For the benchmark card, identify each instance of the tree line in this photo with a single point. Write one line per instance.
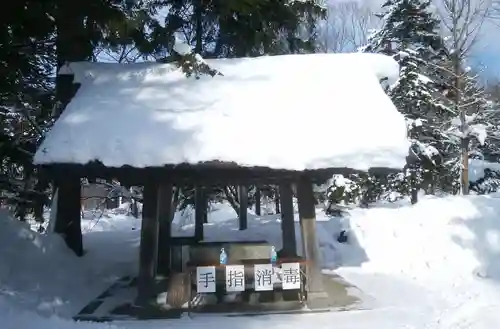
(451, 114)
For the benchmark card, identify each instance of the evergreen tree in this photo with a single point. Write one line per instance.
(26, 98)
(37, 37)
(406, 23)
(239, 28)
(410, 34)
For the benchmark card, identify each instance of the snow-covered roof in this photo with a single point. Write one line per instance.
(291, 112)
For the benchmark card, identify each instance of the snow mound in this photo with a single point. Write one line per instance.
(461, 234)
(13, 317)
(39, 273)
(123, 114)
(441, 255)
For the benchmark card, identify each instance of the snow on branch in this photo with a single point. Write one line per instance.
(192, 63)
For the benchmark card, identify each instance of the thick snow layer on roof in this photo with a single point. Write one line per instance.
(285, 112)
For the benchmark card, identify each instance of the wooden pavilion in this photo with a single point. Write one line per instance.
(178, 108)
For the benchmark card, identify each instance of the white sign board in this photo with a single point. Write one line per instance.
(290, 276)
(263, 277)
(205, 279)
(235, 278)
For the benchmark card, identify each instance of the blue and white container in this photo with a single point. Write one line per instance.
(223, 257)
(274, 255)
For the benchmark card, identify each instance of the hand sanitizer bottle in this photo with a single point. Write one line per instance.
(274, 255)
(223, 257)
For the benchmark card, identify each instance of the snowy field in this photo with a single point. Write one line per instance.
(432, 265)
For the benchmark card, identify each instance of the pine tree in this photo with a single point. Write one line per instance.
(410, 34)
(241, 28)
(27, 59)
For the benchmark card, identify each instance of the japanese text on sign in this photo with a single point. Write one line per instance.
(263, 277)
(205, 279)
(235, 278)
(290, 276)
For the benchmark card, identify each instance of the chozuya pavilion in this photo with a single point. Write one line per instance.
(291, 120)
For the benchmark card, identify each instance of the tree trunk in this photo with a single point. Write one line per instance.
(72, 40)
(464, 145)
(258, 210)
(465, 165)
(72, 45)
(134, 208)
(199, 27)
(148, 250)
(413, 185)
(277, 201)
(68, 216)
(232, 199)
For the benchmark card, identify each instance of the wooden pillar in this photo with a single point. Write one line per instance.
(68, 215)
(258, 210)
(199, 212)
(243, 215)
(148, 254)
(287, 220)
(316, 296)
(205, 201)
(164, 211)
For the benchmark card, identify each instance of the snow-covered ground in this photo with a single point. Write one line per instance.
(432, 265)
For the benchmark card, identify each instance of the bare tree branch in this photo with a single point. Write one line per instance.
(346, 27)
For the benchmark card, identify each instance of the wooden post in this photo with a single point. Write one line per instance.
(205, 201)
(243, 215)
(287, 221)
(164, 211)
(258, 211)
(148, 254)
(316, 296)
(68, 215)
(199, 212)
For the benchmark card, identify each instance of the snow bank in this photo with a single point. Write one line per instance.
(39, 273)
(431, 237)
(441, 255)
(13, 317)
(150, 114)
(477, 167)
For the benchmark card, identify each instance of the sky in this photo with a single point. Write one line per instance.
(486, 54)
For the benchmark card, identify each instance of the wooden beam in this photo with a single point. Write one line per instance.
(287, 221)
(68, 213)
(316, 295)
(164, 213)
(199, 212)
(148, 253)
(243, 198)
(183, 174)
